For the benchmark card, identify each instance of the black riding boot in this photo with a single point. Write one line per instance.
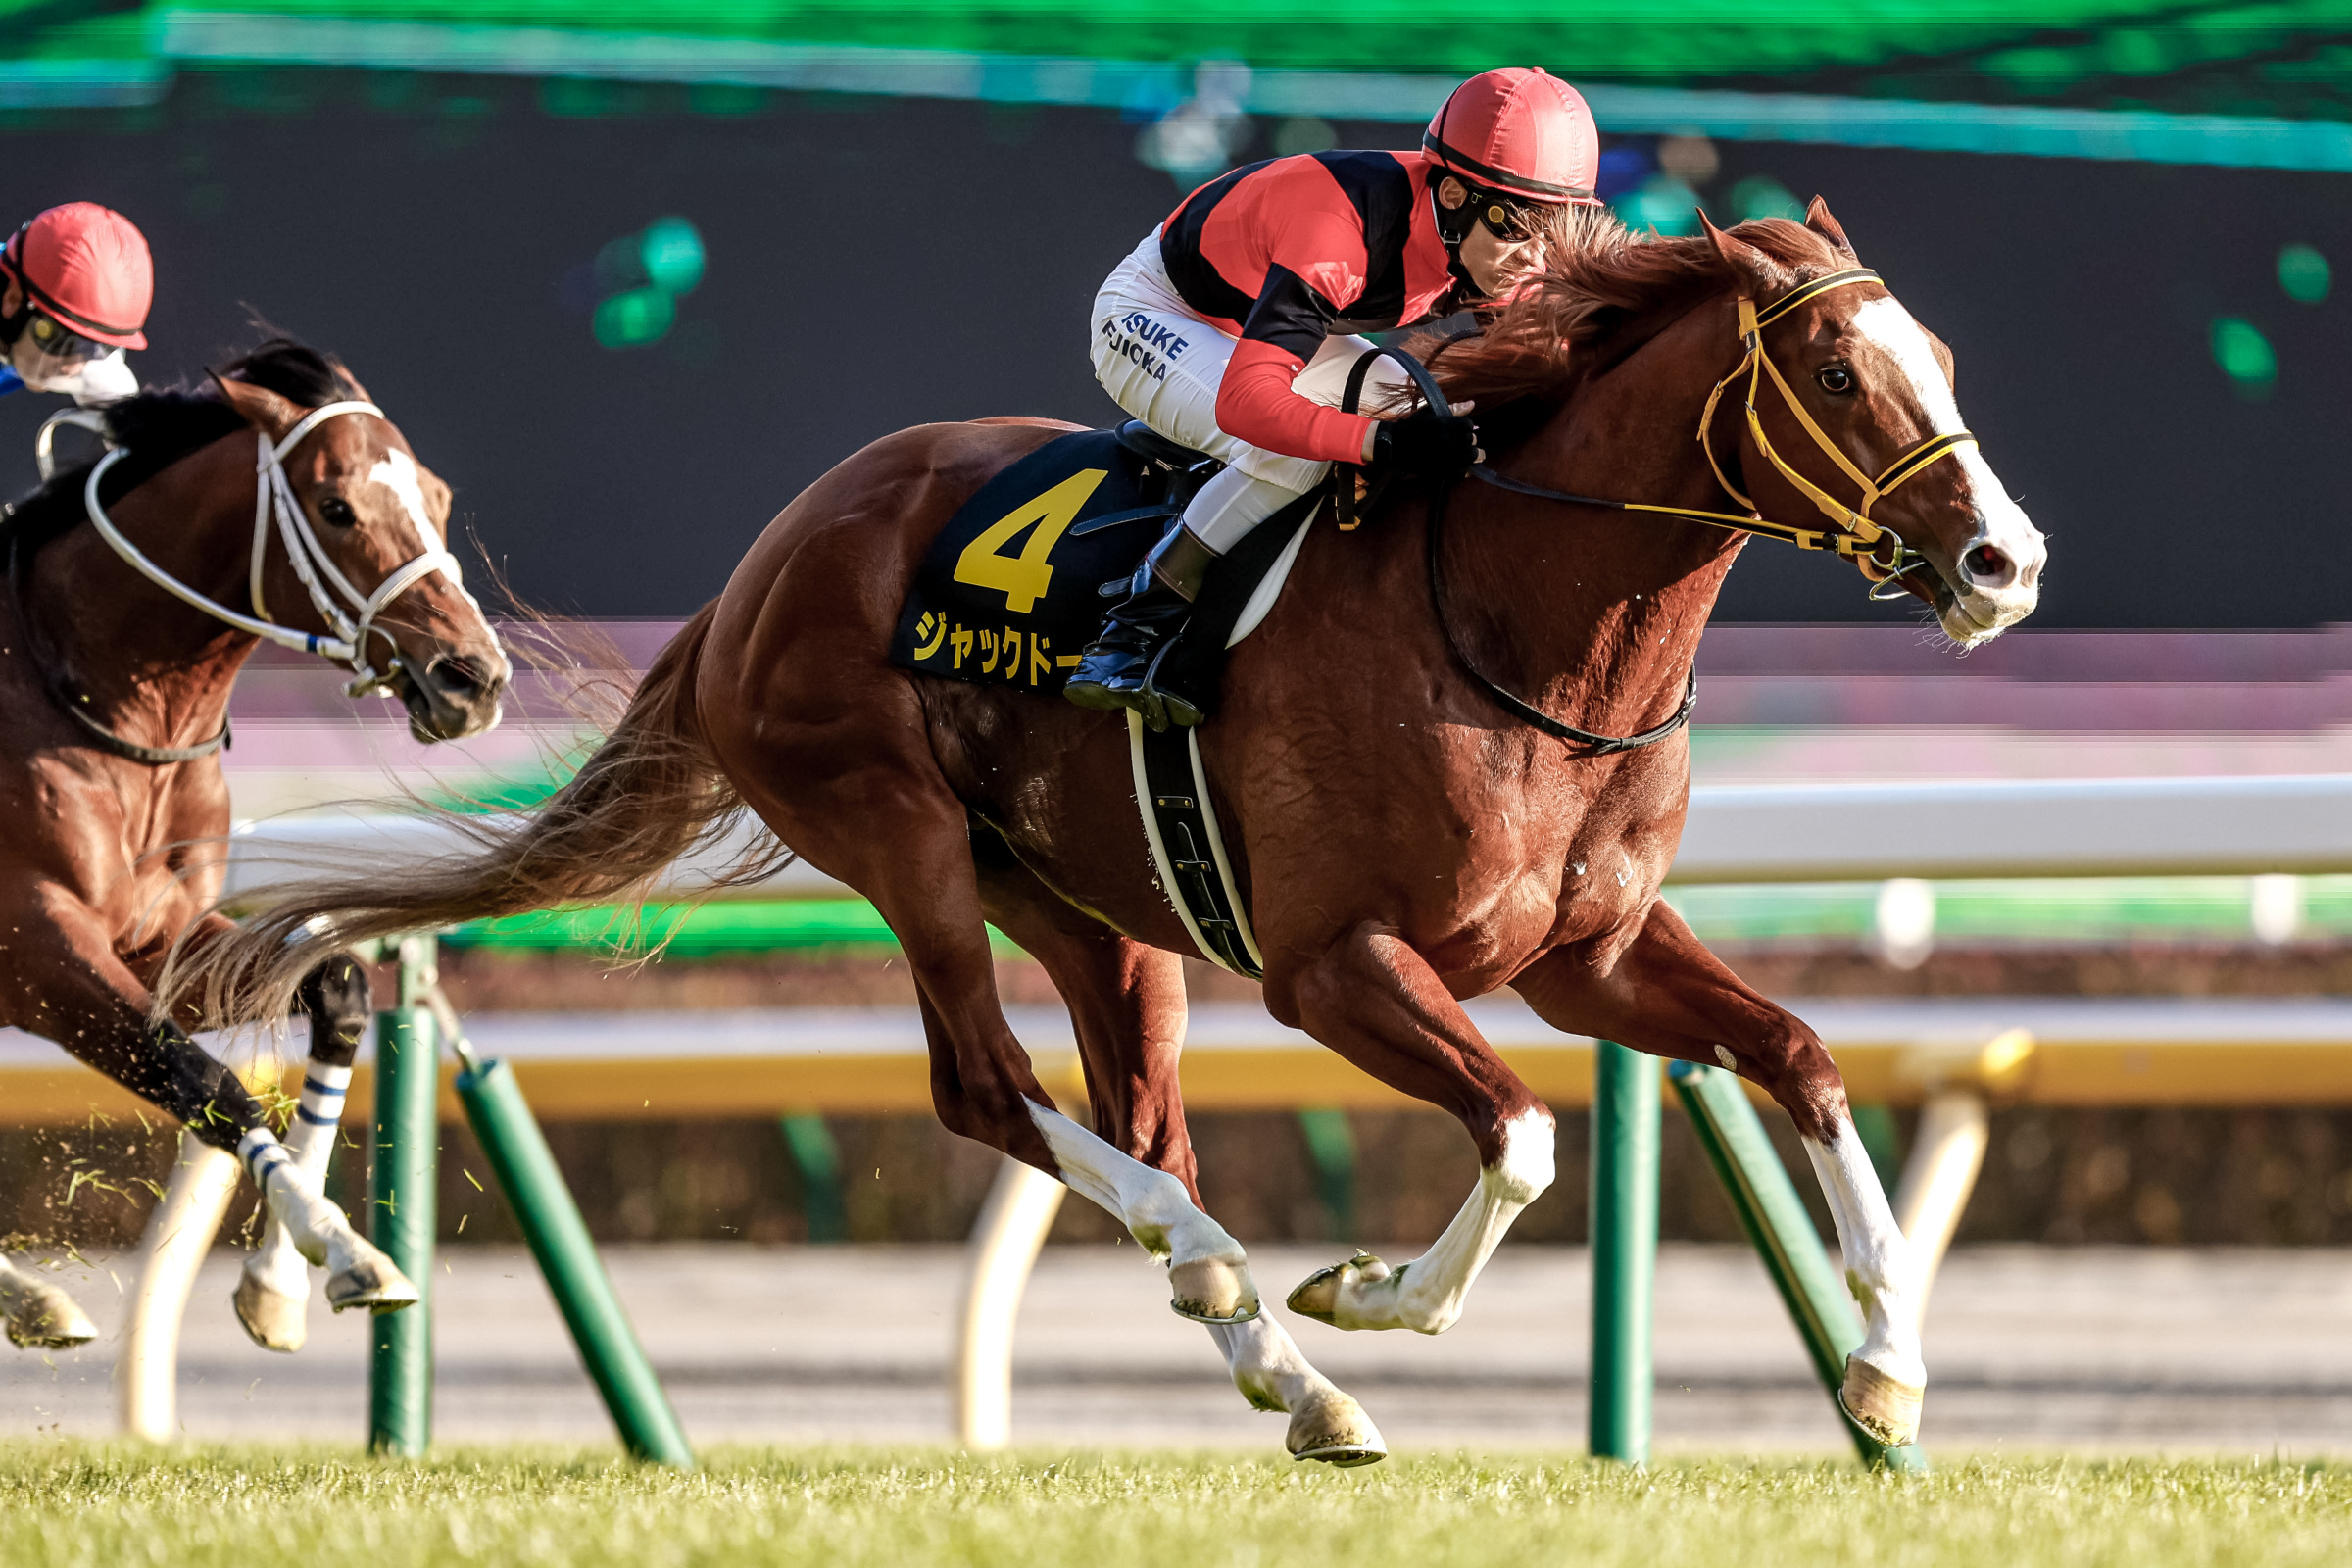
(1159, 601)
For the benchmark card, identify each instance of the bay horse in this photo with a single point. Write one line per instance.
(1402, 839)
(139, 585)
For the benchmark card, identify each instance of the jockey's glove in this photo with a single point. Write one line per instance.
(1440, 445)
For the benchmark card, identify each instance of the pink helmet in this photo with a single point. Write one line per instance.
(1521, 131)
(87, 267)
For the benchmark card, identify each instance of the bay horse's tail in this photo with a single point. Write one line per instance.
(649, 794)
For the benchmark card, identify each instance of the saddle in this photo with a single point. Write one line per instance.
(1018, 581)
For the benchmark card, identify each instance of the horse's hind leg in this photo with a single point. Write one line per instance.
(40, 1315)
(274, 1286)
(1127, 1005)
(1669, 995)
(1373, 999)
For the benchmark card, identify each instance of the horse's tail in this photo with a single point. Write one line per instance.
(649, 794)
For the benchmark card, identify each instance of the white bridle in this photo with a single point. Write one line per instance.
(318, 572)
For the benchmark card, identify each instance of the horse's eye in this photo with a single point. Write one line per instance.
(336, 512)
(1837, 381)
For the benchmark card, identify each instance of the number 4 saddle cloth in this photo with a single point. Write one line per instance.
(1018, 581)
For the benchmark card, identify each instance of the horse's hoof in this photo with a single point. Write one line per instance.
(270, 1318)
(1318, 1294)
(1334, 1430)
(42, 1317)
(370, 1280)
(1879, 1405)
(1212, 1290)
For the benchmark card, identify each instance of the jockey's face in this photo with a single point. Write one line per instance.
(37, 367)
(1493, 262)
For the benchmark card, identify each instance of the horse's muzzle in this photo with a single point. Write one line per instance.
(457, 696)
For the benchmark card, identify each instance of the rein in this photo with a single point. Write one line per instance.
(1525, 712)
(106, 740)
(317, 572)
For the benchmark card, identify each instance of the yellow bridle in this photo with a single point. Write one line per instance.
(1857, 537)
(1872, 547)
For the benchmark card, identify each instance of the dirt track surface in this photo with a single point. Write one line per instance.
(2029, 1348)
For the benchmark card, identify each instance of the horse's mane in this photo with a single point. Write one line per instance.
(1600, 277)
(161, 425)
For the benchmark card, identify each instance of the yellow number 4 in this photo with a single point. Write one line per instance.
(1022, 579)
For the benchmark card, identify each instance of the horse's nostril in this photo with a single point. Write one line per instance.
(1987, 564)
(455, 676)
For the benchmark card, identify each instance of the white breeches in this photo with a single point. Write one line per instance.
(1162, 364)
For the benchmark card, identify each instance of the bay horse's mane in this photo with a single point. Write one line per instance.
(161, 425)
(1601, 278)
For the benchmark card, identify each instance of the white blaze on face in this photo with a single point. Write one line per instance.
(2007, 595)
(396, 471)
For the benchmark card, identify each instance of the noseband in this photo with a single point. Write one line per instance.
(273, 495)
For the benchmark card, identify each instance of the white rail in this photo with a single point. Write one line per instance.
(1747, 833)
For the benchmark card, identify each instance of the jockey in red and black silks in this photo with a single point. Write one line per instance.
(75, 286)
(1233, 327)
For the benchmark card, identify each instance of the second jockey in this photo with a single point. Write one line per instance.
(76, 284)
(1231, 330)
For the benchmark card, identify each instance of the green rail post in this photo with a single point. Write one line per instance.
(1331, 1147)
(402, 1209)
(1775, 1219)
(1625, 1248)
(817, 1157)
(551, 1222)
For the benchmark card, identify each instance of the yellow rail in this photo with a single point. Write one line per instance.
(2218, 1072)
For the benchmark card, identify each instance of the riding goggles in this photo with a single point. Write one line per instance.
(1514, 222)
(61, 342)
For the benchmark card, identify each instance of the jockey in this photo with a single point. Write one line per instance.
(78, 281)
(1230, 329)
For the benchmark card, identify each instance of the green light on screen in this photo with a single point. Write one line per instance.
(2304, 274)
(634, 320)
(672, 252)
(2244, 355)
(1762, 196)
(1663, 203)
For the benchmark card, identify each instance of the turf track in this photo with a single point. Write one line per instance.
(252, 1507)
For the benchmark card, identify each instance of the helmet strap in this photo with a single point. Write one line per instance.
(1454, 226)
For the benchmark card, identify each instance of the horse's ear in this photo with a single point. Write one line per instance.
(344, 370)
(263, 410)
(1757, 274)
(1819, 220)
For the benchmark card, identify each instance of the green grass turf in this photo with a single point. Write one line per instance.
(114, 1507)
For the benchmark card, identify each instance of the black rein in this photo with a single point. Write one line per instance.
(1343, 486)
(106, 740)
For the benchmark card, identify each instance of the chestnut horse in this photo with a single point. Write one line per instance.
(139, 586)
(1401, 839)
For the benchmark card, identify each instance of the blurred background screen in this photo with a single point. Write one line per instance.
(631, 276)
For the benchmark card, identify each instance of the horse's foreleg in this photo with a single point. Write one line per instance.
(1127, 1006)
(1371, 997)
(66, 981)
(1667, 994)
(274, 1286)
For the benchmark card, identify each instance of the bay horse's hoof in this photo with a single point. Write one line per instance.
(1212, 1290)
(368, 1279)
(1334, 1429)
(1879, 1405)
(42, 1317)
(1318, 1294)
(270, 1318)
